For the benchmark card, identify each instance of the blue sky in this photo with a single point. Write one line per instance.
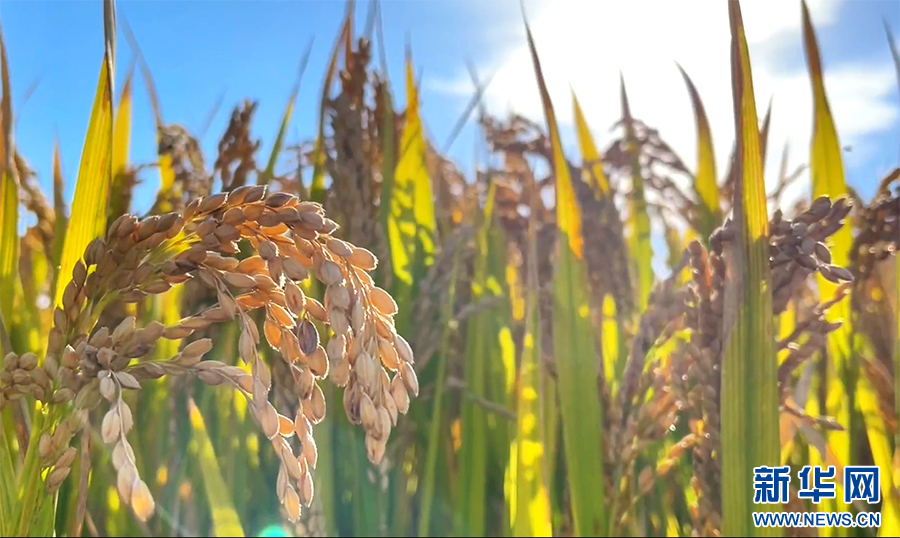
(197, 50)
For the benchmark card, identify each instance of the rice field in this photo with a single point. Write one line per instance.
(350, 336)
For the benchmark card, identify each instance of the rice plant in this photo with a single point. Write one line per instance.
(507, 359)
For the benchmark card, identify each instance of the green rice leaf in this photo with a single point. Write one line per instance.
(573, 340)
(749, 373)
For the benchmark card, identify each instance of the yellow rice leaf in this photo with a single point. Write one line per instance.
(574, 348)
(880, 442)
(412, 161)
(750, 431)
(592, 167)
(827, 173)
(122, 129)
(88, 218)
(530, 504)
(9, 198)
(121, 146)
(411, 223)
(705, 185)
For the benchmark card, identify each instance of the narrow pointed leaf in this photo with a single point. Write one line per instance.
(9, 197)
(705, 185)
(59, 209)
(411, 223)
(89, 207)
(484, 356)
(896, 55)
(573, 340)
(591, 164)
(122, 183)
(846, 387)
(530, 511)
(749, 373)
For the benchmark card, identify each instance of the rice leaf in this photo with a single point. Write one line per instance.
(60, 210)
(896, 56)
(30, 327)
(827, 176)
(9, 196)
(764, 134)
(846, 388)
(592, 166)
(879, 438)
(7, 483)
(411, 223)
(705, 185)
(473, 455)
(269, 172)
(501, 370)
(9, 242)
(576, 356)
(225, 521)
(593, 174)
(749, 374)
(412, 160)
(89, 207)
(530, 509)
(638, 220)
(123, 182)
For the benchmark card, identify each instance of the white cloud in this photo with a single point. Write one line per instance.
(587, 44)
